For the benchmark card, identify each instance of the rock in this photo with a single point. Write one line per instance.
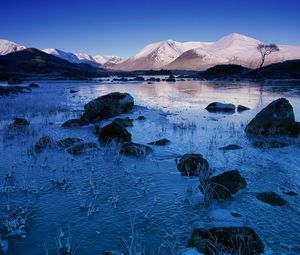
(19, 123)
(236, 215)
(220, 107)
(230, 147)
(6, 91)
(294, 129)
(107, 106)
(271, 198)
(125, 122)
(115, 132)
(73, 123)
(232, 240)
(192, 164)
(290, 193)
(241, 108)
(43, 143)
(141, 118)
(160, 142)
(135, 149)
(171, 78)
(33, 85)
(67, 142)
(269, 144)
(224, 185)
(275, 119)
(72, 91)
(80, 148)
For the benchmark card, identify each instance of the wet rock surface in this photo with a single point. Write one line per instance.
(192, 164)
(135, 149)
(271, 198)
(114, 131)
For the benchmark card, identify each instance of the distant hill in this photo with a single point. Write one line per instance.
(31, 61)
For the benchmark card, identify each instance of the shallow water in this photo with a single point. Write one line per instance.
(146, 192)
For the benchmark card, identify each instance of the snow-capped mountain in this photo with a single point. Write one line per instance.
(231, 49)
(85, 58)
(158, 54)
(9, 46)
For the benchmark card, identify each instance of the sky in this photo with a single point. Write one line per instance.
(114, 27)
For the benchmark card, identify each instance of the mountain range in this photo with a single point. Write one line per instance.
(172, 55)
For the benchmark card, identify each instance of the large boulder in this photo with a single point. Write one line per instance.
(220, 107)
(192, 165)
(114, 131)
(224, 185)
(275, 119)
(229, 240)
(271, 198)
(135, 149)
(107, 106)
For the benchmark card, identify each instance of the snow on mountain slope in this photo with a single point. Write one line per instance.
(156, 55)
(9, 46)
(80, 58)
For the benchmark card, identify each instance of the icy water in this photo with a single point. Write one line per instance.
(146, 193)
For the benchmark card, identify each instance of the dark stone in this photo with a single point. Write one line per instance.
(290, 193)
(192, 164)
(135, 149)
(125, 122)
(80, 148)
(115, 132)
(160, 142)
(107, 106)
(271, 198)
(241, 108)
(141, 118)
(171, 78)
(220, 107)
(19, 123)
(67, 142)
(33, 85)
(275, 119)
(230, 147)
(43, 143)
(73, 123)
(294, 129)
(236, 215)
(72, 91)
(224, 185)
(232, 240)
(96, 130)
(269, 144)
(6, 91)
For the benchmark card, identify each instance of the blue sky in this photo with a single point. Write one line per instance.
(123, 27)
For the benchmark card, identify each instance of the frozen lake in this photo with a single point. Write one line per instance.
(147, 192)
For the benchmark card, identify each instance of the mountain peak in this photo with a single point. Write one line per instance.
(7, 46)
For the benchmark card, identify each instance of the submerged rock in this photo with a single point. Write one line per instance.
(192, 164)
(73, 123)
(236, 215)
(43, 143)
(230, 147)
(233, 240)
(72, 91)
(290, 193)
(125, 122)
(114, 131)
(135, 149)
(80, 148)
(220, 107)
(224, 185)
(269, 144)
(271, 198)
(67, 142)
(33, 85)
(18, 123)
(241, 108)
(160, 142)
(275, 119)
(6, 91)
(107, 106)
(141, 118)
